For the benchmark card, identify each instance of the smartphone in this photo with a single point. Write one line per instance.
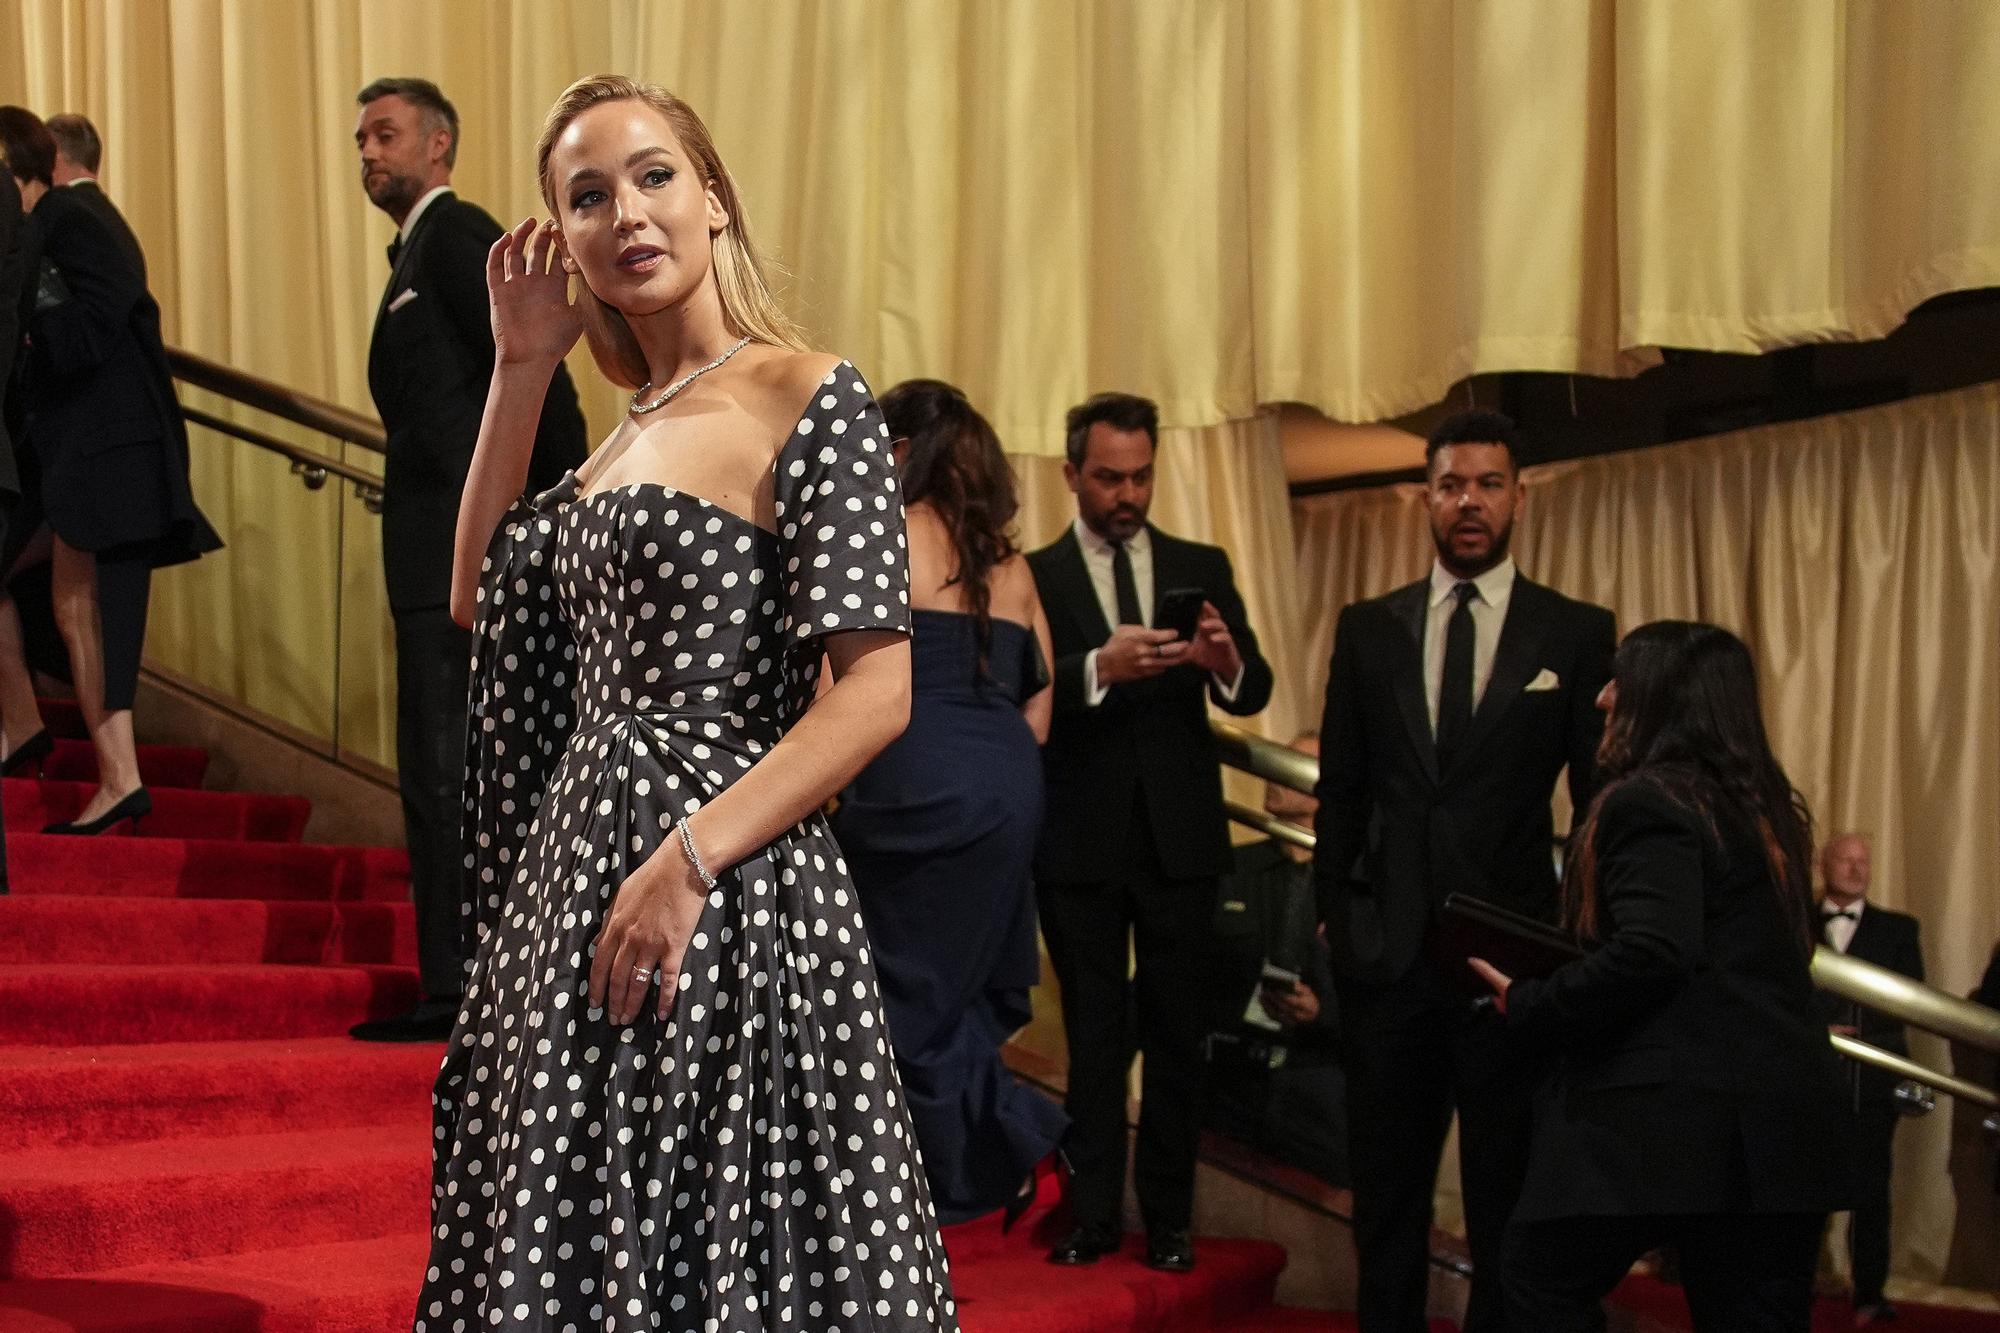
(1180, 611)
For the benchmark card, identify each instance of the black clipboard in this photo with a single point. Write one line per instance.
(1520, 946)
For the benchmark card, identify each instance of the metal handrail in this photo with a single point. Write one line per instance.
(1877, 988)
(280, 401)
(310, 466)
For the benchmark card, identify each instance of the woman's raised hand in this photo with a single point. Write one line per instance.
(533, 319)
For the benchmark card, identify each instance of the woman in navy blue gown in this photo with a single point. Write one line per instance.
(939, 831)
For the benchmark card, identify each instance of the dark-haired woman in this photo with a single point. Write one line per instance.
(939, 831)
(1694, 1100)
(105, 494)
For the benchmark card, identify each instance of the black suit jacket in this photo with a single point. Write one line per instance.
(1396, 834)
(98, 400)
(93, 197)
(1147, 741)
(13, 272)
(1692, 1072)
(429, 366)
(1886, 939)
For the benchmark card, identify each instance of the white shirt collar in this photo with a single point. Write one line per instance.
(417, 210)
(1141, 541)
(1495, 586)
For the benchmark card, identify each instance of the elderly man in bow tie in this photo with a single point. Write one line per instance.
(1852, 925)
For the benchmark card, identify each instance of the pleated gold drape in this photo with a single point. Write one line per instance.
(1859, 556)
(1348, 203)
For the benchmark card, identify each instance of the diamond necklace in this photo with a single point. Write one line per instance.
(667, 394)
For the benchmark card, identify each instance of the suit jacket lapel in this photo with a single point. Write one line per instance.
(403, 258)
(1166, 572)
(1514, 659)
(1079, 593)
(1408, 605)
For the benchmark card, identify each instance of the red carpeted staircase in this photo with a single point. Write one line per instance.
(190, 1144)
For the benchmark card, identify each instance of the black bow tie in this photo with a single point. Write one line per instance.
(1851, 914)
(395, 248)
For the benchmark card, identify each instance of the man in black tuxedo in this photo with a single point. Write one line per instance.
(1134, 836)
(79, 155)
(428, 368)
(1452, 705)
(1852, 925)
(13, 278)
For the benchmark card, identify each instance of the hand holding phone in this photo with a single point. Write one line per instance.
(1180, 611)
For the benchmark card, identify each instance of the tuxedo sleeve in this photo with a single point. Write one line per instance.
(1341, 822)
(457, 269)
(1649, 896)
(104, 289)
(1586, 720)
(1253, 688)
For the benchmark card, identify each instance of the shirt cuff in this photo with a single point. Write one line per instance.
(1093, 693)
(1229, 690)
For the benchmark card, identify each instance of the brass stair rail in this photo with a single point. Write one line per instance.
(280, 401)
(1878, 988)
(301, 409)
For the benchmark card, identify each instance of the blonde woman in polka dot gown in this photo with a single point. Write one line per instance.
(669, 1102)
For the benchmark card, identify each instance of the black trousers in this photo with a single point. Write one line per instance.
(1415, 1050)
(1868, 1225)
(433, 677)
(1162, 922)
(1742, 1273)
(124, 595)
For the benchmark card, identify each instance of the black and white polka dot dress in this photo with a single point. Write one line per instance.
(748, 1164)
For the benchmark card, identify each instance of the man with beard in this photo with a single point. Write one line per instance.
(428, 368)
(1451, 707)
(1134, 835)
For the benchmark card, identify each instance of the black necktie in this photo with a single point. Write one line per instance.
(1126, 585)
(1455, 686)
(395, 249)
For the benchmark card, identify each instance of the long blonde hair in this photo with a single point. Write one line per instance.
(749, 309)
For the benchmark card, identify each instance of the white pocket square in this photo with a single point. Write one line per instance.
(402, 300)
(1547, 680)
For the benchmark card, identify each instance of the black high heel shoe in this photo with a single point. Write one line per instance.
(134, 807)
(34, 750)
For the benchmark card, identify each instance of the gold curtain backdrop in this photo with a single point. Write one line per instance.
(1346, 203)
(1857, 555)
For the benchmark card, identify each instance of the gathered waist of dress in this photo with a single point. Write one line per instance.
(710, 724)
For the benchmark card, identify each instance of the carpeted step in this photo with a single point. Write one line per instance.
(78, 1210)
(1662, 1304)
(94, 1096)
(45, 928)
(159, 765)
(1016, 1290)
(1285, 1319)
(63, 719)
(370, 1286)
(84, 1005)
(361, 1286)
(247, 816)
(204, 868)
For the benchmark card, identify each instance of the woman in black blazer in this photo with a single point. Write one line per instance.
(1692, 1098)
(105, 495)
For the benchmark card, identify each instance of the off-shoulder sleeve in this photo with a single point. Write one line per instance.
(845, 562)
(522, 707)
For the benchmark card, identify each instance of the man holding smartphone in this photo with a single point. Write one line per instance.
(1147, 630)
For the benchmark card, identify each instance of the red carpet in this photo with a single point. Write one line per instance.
(190, 1144)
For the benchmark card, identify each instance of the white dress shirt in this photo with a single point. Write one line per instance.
(1097, 556)
(417, 210)
(1489, 613)
(1839, 931)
